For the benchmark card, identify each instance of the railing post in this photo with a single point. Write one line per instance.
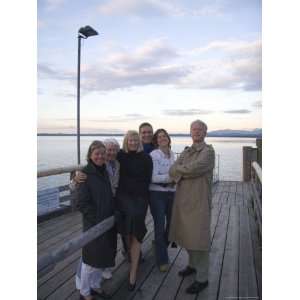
(249, 155)
(259, 151)
(73, 194)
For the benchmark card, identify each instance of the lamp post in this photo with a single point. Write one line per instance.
(83, 33)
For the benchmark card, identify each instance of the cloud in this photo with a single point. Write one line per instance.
(237, 111)
(234, 47)
(47, 71)
(138, 7)
(109, 119)
(238, 66)
(156, 63)
(257, 104)
(41, 24)
(186, 112)
(120, 119)
(66, 94)
(54, 4)
(153, 8)
(153, 52)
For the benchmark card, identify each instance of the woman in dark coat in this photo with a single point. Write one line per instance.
(95, 202)
(132, 197)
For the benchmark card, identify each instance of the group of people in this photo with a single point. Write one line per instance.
(124, 182)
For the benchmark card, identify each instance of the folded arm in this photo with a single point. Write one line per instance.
(197, 168)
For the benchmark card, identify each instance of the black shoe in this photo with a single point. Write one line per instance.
(187, 271)
(196, 287)
(82, 298)
(141, 260)
(173, 245)
(101, 294)
(131, 286)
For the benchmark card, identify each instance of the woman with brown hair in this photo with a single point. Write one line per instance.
(162, 191)
(95, 202)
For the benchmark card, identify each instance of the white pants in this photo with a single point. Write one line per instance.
(87, 278)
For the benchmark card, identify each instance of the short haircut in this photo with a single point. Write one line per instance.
(93, 146)
(144, 125)
(200, 123)
(131, 133)
(155, 135)
(112, 141)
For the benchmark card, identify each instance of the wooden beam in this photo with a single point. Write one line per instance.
(58, 171)
(48, 261)
(256, 167)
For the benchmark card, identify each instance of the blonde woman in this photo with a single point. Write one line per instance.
(132, 197)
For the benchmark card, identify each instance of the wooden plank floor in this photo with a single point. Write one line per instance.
(235, 256)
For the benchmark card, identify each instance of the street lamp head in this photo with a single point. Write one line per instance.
(87, 31)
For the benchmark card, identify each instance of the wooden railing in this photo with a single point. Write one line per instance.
(58, 171)
(66, 198)
(48, 261)
(256, 184)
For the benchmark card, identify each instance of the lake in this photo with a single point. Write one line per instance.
(60, 151)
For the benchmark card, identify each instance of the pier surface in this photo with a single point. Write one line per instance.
(235, 256)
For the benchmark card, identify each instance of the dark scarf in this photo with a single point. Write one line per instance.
(99, 169)
(148, 148)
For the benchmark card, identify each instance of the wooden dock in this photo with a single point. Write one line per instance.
(235, 256)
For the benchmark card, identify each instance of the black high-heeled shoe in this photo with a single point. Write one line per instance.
(131, 286)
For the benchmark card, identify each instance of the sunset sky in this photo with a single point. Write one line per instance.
(165, 62)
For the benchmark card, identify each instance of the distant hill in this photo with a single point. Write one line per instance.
(216, 133)
(235, 133)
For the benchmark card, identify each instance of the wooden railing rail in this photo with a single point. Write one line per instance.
(256, 183)
(257, 171)
(47, 262)
(58, 171)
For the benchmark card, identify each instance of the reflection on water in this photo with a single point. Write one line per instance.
(59, 151)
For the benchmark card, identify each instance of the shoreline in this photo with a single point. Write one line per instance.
(232, 135)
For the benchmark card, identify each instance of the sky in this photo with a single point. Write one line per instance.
(164, 62)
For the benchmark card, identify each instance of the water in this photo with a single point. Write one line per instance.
(60, 151)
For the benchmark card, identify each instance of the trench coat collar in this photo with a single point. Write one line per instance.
(198, 146)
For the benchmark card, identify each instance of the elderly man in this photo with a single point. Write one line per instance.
(190, 223)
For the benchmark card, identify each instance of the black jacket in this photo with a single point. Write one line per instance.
(95, 202)
(135, 173)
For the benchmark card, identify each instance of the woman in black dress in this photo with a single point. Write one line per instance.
(132, 197)
(95, 202)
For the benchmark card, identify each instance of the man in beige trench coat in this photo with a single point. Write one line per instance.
(190, 222)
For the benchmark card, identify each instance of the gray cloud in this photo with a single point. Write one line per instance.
(66, 95)
(237, 111)
(119, 119)
(154, 8)
(186, 112)
(54, 4)
(47, 71)
(109, 119)
(238, 68)
(257, 104)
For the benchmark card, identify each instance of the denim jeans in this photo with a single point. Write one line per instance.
(161, 210)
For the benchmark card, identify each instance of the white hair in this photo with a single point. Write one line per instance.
(111, 141)
(201, 123)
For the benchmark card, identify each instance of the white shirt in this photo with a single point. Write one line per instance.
(160, 173)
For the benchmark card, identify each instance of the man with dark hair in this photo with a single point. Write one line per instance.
(146, 135)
